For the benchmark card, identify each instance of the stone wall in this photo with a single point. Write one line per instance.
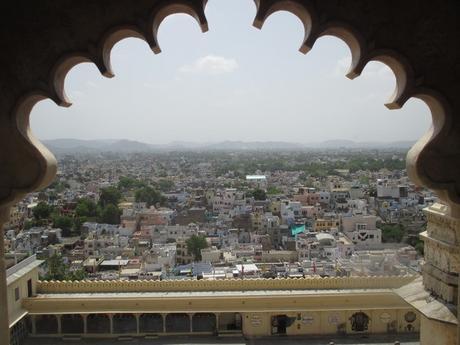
(442, 253)
(311, 283)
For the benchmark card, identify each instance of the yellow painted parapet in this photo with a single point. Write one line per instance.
(308, 283)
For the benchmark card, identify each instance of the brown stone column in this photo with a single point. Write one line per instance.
(442, 263)
(4, 322)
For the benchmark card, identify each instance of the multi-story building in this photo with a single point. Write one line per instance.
(183, 257)
(362, 229)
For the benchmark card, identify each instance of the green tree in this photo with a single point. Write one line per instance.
(77, 224)
(273, 190)
(58, 186)
(165, 184)
(86, 208)
(77, 275)
(28, 224)
(195, 244)
(127, 183)
(392, 232)
(58, 270)
(42, 211)
(109, 195)
(259, 194)
(110, 215)
(65, 223)
(149, 196)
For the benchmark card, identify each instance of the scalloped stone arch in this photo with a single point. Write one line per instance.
(399, 34)
(362, 51)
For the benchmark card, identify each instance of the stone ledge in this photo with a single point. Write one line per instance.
(313, 283)
(419, 298)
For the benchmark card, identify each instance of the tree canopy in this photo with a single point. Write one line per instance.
(259, 194)
(195, 244)
(58, 270)
(392, 232)
(149, 195)
(110, 215)
(127, 183)
(109, 195)
(65, 223)
(86, 208)
(165, 184)
(42, 211)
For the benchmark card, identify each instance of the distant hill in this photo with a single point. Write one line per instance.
(253, 145)
(94, 146)
(69, 146)
(334, 144)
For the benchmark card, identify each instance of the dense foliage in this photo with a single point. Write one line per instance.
(58, 270)
(258, 194)
(392, 232)
(109, 195)
(110, 215)
(195, 244)
(150, 196)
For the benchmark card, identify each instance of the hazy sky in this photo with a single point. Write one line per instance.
(234, 82)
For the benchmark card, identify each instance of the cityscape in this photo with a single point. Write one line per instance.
(250, 185)
(223, 214)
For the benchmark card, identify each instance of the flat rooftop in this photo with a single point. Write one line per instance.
(188, 294)
(22, 268)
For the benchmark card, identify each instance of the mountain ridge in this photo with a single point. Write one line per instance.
(70, 145)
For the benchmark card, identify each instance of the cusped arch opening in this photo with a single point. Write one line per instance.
(360, 56)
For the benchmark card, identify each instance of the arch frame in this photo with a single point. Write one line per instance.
(399, 34)
(431, 150)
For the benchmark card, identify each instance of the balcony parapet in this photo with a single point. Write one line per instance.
(312, 283)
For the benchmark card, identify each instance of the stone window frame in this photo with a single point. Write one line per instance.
(317, 22)
(26, 165)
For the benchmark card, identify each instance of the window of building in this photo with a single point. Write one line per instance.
(359, 322)
(29, 288)
(16, 294)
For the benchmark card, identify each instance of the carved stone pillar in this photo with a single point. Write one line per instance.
(442, 265)
(442, 253)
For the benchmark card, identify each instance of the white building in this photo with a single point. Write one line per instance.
(211, 255)
(362, 230)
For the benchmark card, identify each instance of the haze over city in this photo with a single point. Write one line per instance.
(232, 83)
